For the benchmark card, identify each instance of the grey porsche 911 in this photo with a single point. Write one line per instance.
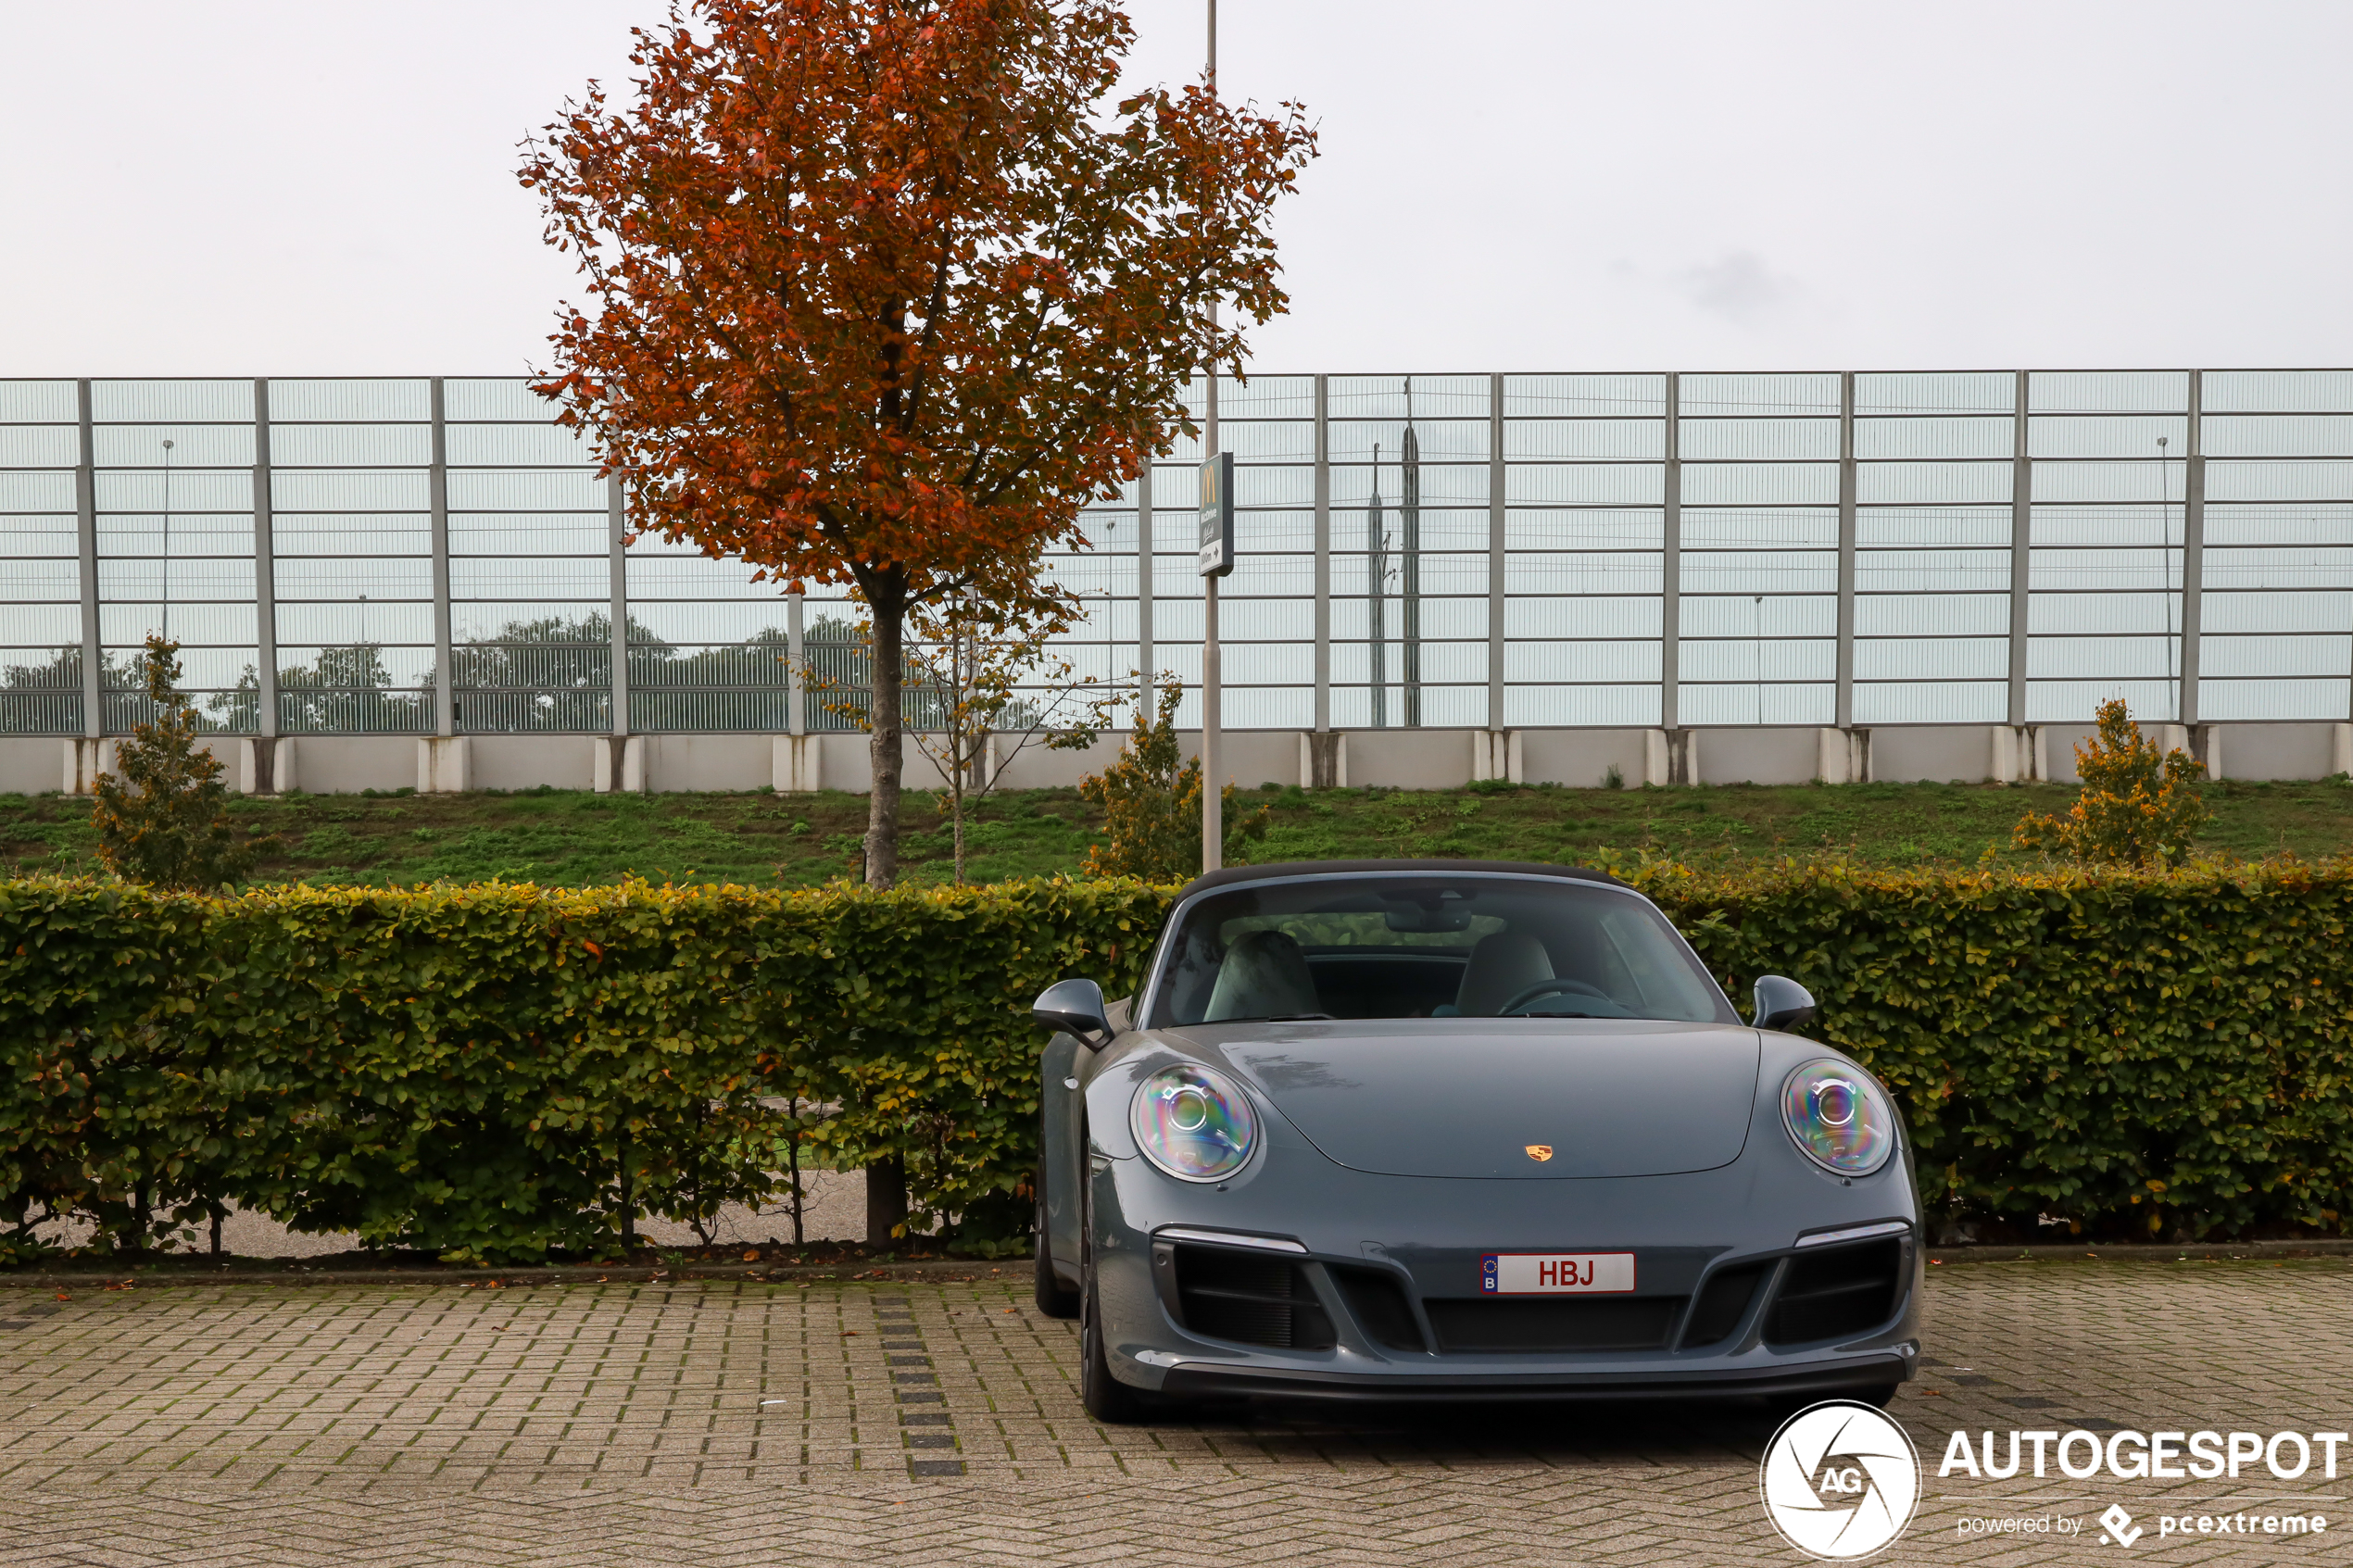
(1462, 1130)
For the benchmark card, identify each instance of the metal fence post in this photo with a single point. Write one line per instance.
(1323, 554)
(796, 654)
(1843, 702)
(616, 520)
(1671, 569)
(2021, 553)
(443, 683)
(265, 579)
(1495, 552)
(85, 529)
(2193, 549)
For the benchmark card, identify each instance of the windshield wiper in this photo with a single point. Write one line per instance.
(1283, 1018)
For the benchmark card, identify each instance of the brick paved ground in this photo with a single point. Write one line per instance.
(767, 1424)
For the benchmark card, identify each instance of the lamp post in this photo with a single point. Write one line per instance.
(1212, 826)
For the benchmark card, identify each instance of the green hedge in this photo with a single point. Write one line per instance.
(2134, 1052)
(497, 1072)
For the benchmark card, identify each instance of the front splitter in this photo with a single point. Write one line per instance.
(1198, 1380)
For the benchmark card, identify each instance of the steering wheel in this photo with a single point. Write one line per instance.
(1528, 994)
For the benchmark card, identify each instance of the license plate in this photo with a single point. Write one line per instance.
(1556, 1274)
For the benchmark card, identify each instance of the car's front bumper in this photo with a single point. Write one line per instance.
(1687, 1232)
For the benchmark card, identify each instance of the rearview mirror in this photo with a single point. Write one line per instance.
(1781, 1003)
(1075, 1007)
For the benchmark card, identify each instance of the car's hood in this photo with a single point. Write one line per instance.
(1608, 1098)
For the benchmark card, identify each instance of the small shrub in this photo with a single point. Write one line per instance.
(163, 818)
(1613, 779)
(1151, 806)
(2137, 805)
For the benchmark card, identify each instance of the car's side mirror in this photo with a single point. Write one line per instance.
(1075, 1007)
(1781, 1003)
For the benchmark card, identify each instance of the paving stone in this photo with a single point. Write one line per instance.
(552, 1426)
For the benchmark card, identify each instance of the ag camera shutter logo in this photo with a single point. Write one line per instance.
(1840, 1481)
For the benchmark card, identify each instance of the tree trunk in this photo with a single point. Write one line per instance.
(956, 788)
(888, 602)
(792, 1157)
(628, 1206)
(959, 742)
(885, 1200)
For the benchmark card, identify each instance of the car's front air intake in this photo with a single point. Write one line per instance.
(1723, 1303)
(1835, 1292)
(1379, 1303)
(1250, 1297)
(1484, 1324)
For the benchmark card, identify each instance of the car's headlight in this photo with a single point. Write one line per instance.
(1839, 1117)
(1193, 1123)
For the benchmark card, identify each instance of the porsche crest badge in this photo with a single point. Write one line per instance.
(1540, 1152)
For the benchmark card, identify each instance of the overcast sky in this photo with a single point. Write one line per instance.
(289, 186)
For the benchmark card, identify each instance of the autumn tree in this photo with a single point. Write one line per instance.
(881, 292)
(162, 814)
(2137, 804)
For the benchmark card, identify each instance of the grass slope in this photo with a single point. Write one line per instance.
(573, 838)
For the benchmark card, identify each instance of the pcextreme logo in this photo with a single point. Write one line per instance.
(1840, 1480)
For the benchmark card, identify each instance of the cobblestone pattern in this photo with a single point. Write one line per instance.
(771, 1423)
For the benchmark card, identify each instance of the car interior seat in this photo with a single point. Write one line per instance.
(1263, 975)
(1500, 967)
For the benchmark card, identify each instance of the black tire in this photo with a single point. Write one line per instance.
(1878, 1396)
(1054, 1299)
(1107, 1400)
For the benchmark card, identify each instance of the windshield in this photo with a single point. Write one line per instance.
(1429, 946)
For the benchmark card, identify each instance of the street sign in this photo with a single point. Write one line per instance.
(1218, 515)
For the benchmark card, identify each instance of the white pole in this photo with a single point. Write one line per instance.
(1213, 825)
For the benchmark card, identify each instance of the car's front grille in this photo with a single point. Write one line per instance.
(1250, 1297)
(1838, 1291)
(1590, 1323)
(1723, 1301)
(1380, 1306)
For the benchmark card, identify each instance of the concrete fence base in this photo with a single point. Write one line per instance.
(1389, 759)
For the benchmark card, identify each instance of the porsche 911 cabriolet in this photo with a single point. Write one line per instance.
(1462, 1130)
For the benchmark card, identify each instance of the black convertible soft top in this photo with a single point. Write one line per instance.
(1230, 875)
